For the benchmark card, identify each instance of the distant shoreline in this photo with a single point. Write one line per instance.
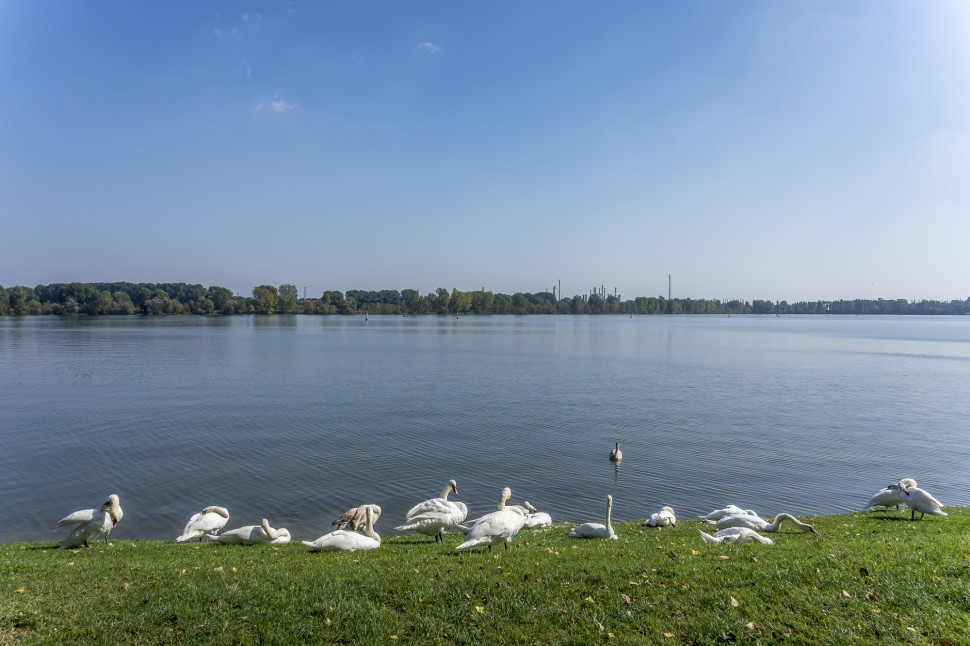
(160, 299)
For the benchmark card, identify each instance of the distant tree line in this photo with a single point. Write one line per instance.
(158, 299)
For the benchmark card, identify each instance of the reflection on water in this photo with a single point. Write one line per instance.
(299, 418)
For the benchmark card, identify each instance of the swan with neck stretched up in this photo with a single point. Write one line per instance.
(597, 530)
(730, 510)
(88, 524)
(920, 500)
(343, 540)
(736, 535)
(261, 534)
(356, 517)
(663, 518)
(760, 524)
(205, 524)
(432, 517)
(616, 454)
(892, 495)
(497, 527)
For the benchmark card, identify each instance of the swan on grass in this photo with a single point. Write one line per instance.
(736, 535)
(762, 525)
(88, 524)
(920, 500)
(356, 517)
(616, 454)
(535, 519)
(343, 540)
(205, 524)
(663, 518)
(730, 510)
(255, 535)
(497, 527)
(892, 495)
(597, 530)
(432, 517)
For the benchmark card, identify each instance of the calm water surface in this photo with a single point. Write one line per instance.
(298, 418)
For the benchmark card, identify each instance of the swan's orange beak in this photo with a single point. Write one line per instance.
(454, 489)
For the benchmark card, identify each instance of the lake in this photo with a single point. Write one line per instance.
(298, 418)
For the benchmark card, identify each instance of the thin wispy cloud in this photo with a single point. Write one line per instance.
(429, 47)
(276, 105)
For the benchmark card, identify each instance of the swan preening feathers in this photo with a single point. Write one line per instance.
(343, 540)
(255, 534)
(905, 492)
(355, 517)
(205, 524)
(88, 524)
(920, 500)
(663, 518)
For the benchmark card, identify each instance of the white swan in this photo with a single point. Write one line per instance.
(736, 535)
(355, 517)
(616, 454)
(255, 534)
(206, 523)
(497, 527)
(596, 530)
(535, 519)
(762, 525)
(432, 517)
(89, 523)
(920, 500)
(663, 518)
(892, 495)
(730, 510)
(342, 540)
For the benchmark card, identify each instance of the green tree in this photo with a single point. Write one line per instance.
(265, 297)
(288, 299)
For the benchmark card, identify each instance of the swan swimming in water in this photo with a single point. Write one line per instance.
(205, 524)
(255, 534)
(89, 523)
(920, 500)
(497, 527)
(355, 517)
(730, 510)
(597, 530)
(432, 517)
(663, 518)
(616, 454)
(762, 525)
(736, 535)
(344, 540)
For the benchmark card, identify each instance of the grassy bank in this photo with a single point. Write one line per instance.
(865, 578)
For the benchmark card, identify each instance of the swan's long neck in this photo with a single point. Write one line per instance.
(270, 533)
(369, 525)
(504, 498)
(609, 512)
(445, 492)
(773, 527)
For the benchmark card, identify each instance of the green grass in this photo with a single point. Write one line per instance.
(866, 578)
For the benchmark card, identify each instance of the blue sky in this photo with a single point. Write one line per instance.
(753, 150)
